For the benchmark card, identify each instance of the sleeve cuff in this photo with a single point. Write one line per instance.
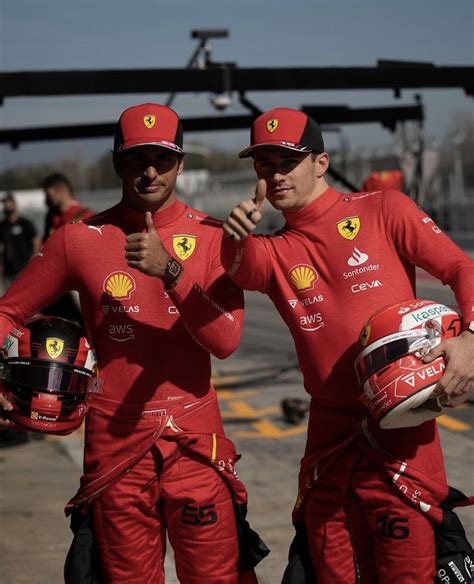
(183, 287)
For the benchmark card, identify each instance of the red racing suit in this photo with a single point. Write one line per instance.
(333, 264)
(66, 306)
(141, 475)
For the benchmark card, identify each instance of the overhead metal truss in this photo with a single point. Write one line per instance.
(387, 116)
(223, 77)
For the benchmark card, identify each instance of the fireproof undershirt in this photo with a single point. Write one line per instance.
(152, 344)
(334, 263)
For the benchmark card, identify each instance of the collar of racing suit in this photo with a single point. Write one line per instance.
(161, 218)
(296, 218)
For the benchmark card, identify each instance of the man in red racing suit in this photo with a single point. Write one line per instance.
(156, 304)
(339, 258)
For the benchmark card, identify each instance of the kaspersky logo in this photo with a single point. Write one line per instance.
(119, 285)
(302, 277)
(357, 258)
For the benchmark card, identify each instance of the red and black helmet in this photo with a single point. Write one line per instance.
(49, 370)
(397, 385)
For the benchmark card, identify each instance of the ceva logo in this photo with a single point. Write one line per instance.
(365, 286)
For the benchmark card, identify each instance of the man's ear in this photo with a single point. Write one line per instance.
(322, 164)
(117, 163)
(180, 163)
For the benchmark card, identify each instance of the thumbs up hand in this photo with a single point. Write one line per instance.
(245, 217)
(145, 251)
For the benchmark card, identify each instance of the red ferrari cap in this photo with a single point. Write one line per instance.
(287, 128)
(149, 123)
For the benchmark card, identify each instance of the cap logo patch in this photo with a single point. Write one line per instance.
(348, 228)
(184, 246)
(149, 121)
(272, 125)
(119, 285)
(54, 347)
(302, 277)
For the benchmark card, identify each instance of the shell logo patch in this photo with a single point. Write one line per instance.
(365, 335)
(54, 347)
(348, 228)
(184, 246)
(149, 121)
(272, 125)
(119, 285)
(303, 277)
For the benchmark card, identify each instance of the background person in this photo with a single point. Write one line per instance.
(155, 307)
(339, 258)
(63, 208)
(19, 240)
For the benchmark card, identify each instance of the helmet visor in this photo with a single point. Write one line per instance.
(52, 377)
(374, 358)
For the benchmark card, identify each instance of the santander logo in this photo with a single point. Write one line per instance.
(357, 258)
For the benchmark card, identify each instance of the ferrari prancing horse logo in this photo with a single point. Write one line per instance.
(349, 227)
(272, 125)
(149, 121)
(184, 246)
(365, 335)
(54, 347)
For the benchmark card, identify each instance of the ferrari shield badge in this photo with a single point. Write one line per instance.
(54, 347)
(365, 335)
(349, 228)
(272, 125)
(184, 246)
(149, 121)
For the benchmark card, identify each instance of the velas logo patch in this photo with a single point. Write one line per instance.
(272, 125)
(149, 121)
(119, 285)
(348, 228)
(302, 277)
(54, 347)
(184, 246)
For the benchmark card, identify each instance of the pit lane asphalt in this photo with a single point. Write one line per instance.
(37, 478)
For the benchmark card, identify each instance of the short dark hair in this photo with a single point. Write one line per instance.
(56, 179)
(8, 197)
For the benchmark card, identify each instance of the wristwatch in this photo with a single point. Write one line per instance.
(172, 272)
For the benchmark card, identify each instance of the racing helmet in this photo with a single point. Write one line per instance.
(49, 370)
(397, 386)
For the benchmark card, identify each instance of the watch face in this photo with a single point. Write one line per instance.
(173, 268)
